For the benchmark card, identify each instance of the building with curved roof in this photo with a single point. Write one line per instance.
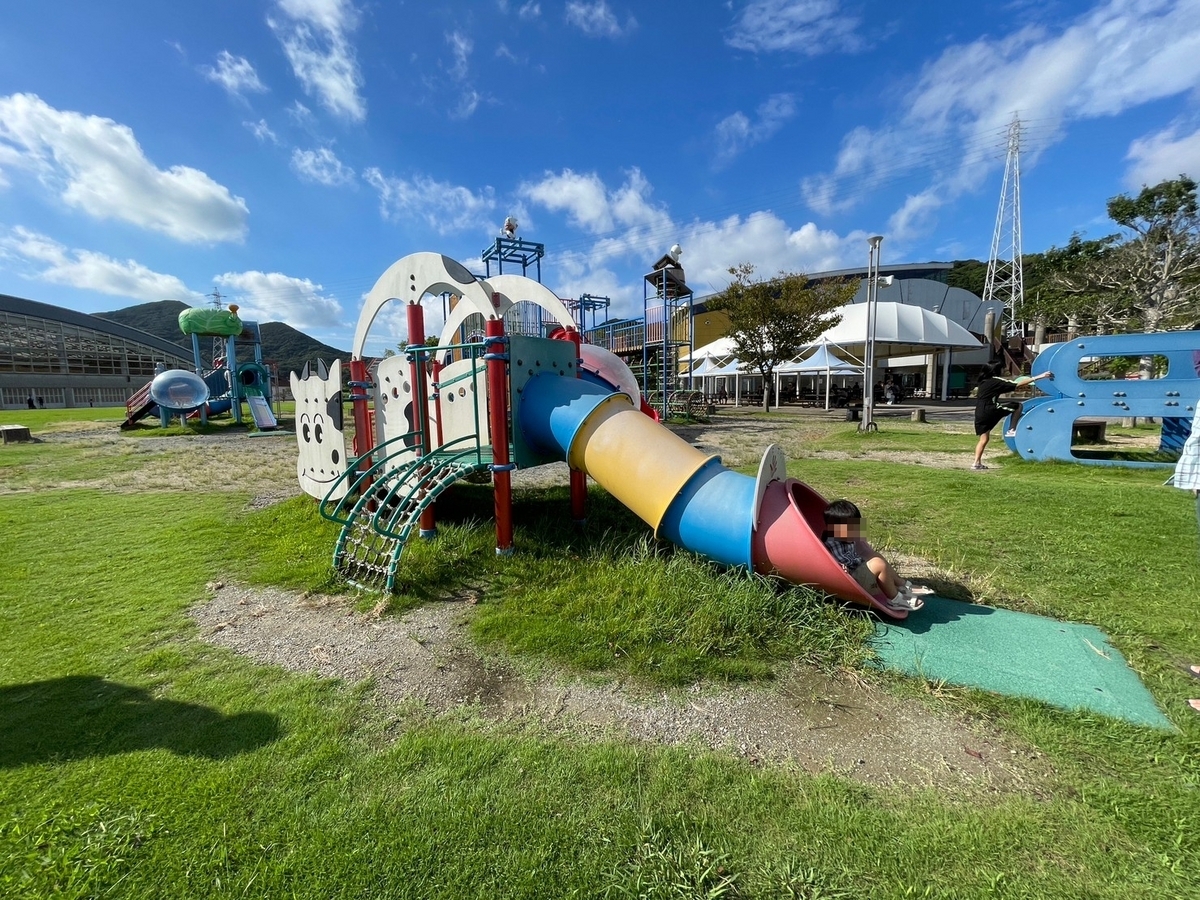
(61, 358)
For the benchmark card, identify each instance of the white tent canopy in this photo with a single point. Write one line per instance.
(721, 348)
(900, 327)
(821, 362)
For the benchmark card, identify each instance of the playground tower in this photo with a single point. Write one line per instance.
(667, 314)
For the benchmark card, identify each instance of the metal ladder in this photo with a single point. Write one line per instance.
(387, 505)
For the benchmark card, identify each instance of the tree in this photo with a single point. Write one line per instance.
(968, 274)
(1059, 289)
(1146, 278)
(773, 319)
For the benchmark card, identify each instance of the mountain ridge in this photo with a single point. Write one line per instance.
(287, 347)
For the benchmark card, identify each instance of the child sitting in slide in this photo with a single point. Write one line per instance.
(843, 527)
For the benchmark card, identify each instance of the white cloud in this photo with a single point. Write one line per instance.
(468, 102)
(765, 240)
(56, 264)
(315, 38)
(952, 123)
(442, 206)
(461, 47)
(709, 249)
(321, 166)
(811, 27)
(578, 273)
(530, 10)
(301, 114)
(275, 297)
(97, 166)
(1167, 154)
(262, 131)
(916, 216)
(630, 229)
(735, 133)
(597, 20)
(590, 205)
(234, 74)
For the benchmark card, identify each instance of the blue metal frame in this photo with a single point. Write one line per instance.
(1046, 425)
(514, 250)
(676, 298)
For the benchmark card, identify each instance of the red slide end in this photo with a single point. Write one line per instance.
(787, 543)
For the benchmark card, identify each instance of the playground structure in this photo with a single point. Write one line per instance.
(229, 382)
(1048, 424)
(434, 415)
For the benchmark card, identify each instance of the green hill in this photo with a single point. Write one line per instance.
(281, 344)
(291, 349)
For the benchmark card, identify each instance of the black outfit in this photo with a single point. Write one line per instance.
(989, 411)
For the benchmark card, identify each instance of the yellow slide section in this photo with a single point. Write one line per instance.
(635, 459)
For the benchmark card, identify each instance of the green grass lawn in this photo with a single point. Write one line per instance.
(137, 761)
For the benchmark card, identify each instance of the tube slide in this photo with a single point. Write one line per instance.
(768, 525)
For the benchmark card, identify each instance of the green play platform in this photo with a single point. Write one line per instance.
(1020, 655)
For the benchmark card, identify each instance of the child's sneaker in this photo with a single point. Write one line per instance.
(979, 467)
(1012, 432)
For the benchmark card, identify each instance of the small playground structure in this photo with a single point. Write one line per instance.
(1075, 402)
(229, 382)
(435, 415)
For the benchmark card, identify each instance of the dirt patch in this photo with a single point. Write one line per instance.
(821, 724)
(739, 439)
(232, 461)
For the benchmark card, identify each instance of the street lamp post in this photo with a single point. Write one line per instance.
(868, 412)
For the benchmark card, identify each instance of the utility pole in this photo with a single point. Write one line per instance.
(218, 344)
(1005, 278)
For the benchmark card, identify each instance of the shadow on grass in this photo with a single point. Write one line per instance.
(81, 716)
(940, 611)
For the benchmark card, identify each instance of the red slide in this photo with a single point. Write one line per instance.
(787, 542)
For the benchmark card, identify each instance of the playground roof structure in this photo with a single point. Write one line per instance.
(899, 329)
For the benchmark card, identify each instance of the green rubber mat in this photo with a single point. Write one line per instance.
(1020, 655)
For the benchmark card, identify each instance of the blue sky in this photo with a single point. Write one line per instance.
(286, 152)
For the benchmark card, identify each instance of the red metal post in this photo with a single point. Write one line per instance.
(364, 436)
(420, 395)
(495, 353)
(578, 476)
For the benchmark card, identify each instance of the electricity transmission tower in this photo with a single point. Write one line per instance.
(1005, 279)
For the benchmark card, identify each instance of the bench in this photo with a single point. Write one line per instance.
(1088, 431)
(686, 404)
(15, 434)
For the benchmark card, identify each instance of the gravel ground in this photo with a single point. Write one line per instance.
(822, 724)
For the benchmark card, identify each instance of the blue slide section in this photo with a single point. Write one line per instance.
(712, 516)
(1047, 423)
